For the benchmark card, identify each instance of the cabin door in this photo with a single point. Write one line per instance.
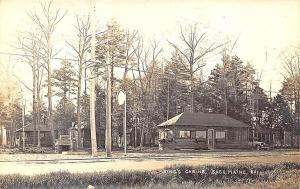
(210, 138)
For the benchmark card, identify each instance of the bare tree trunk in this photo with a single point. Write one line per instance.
(34, 84)
(111, 99)
(225, 99)
(141, 136)
(129, 41)
(30, 45)
(108, 138)
(192, 92)
(81, 48)
(297, 109)
(135, 136)
(80, 145)
(50, 113)
(47, 22)
(38, 120)
(40, 74)
(38, 99)
(192, 54)
(168, 99)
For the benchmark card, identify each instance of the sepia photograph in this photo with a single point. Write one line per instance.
(140, 94)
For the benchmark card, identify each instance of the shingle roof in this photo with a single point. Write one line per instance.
(203, 119)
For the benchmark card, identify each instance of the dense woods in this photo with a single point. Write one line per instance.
(159, 85)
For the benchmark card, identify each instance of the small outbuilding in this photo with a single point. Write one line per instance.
(45, 134)
(203, 131)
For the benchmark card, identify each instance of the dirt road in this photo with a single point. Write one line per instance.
(29, 164)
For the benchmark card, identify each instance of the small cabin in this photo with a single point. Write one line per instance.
(203, 131)
(45, 135)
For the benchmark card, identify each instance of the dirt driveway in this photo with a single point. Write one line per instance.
(29, 164)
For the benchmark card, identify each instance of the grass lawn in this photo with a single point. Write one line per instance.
(284, 175)
(287, 180)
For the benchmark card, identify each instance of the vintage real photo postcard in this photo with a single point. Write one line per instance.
(170, 94)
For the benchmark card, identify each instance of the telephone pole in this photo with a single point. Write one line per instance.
(92, 87)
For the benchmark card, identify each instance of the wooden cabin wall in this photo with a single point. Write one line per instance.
(234, 138)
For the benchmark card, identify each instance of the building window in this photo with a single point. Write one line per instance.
(162, 134)
(201, 134)
(193, 134)
(184, 134)
(220, 134)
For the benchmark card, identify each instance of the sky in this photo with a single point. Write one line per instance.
(262, 26)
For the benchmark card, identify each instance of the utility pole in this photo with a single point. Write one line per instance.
(108, 108)
(92, 86)
(121, 101)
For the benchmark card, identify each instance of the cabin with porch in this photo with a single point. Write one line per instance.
(190, 130)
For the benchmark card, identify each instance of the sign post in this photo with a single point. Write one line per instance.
(121, 101)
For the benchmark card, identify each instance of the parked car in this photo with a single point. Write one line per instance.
(259, 145)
